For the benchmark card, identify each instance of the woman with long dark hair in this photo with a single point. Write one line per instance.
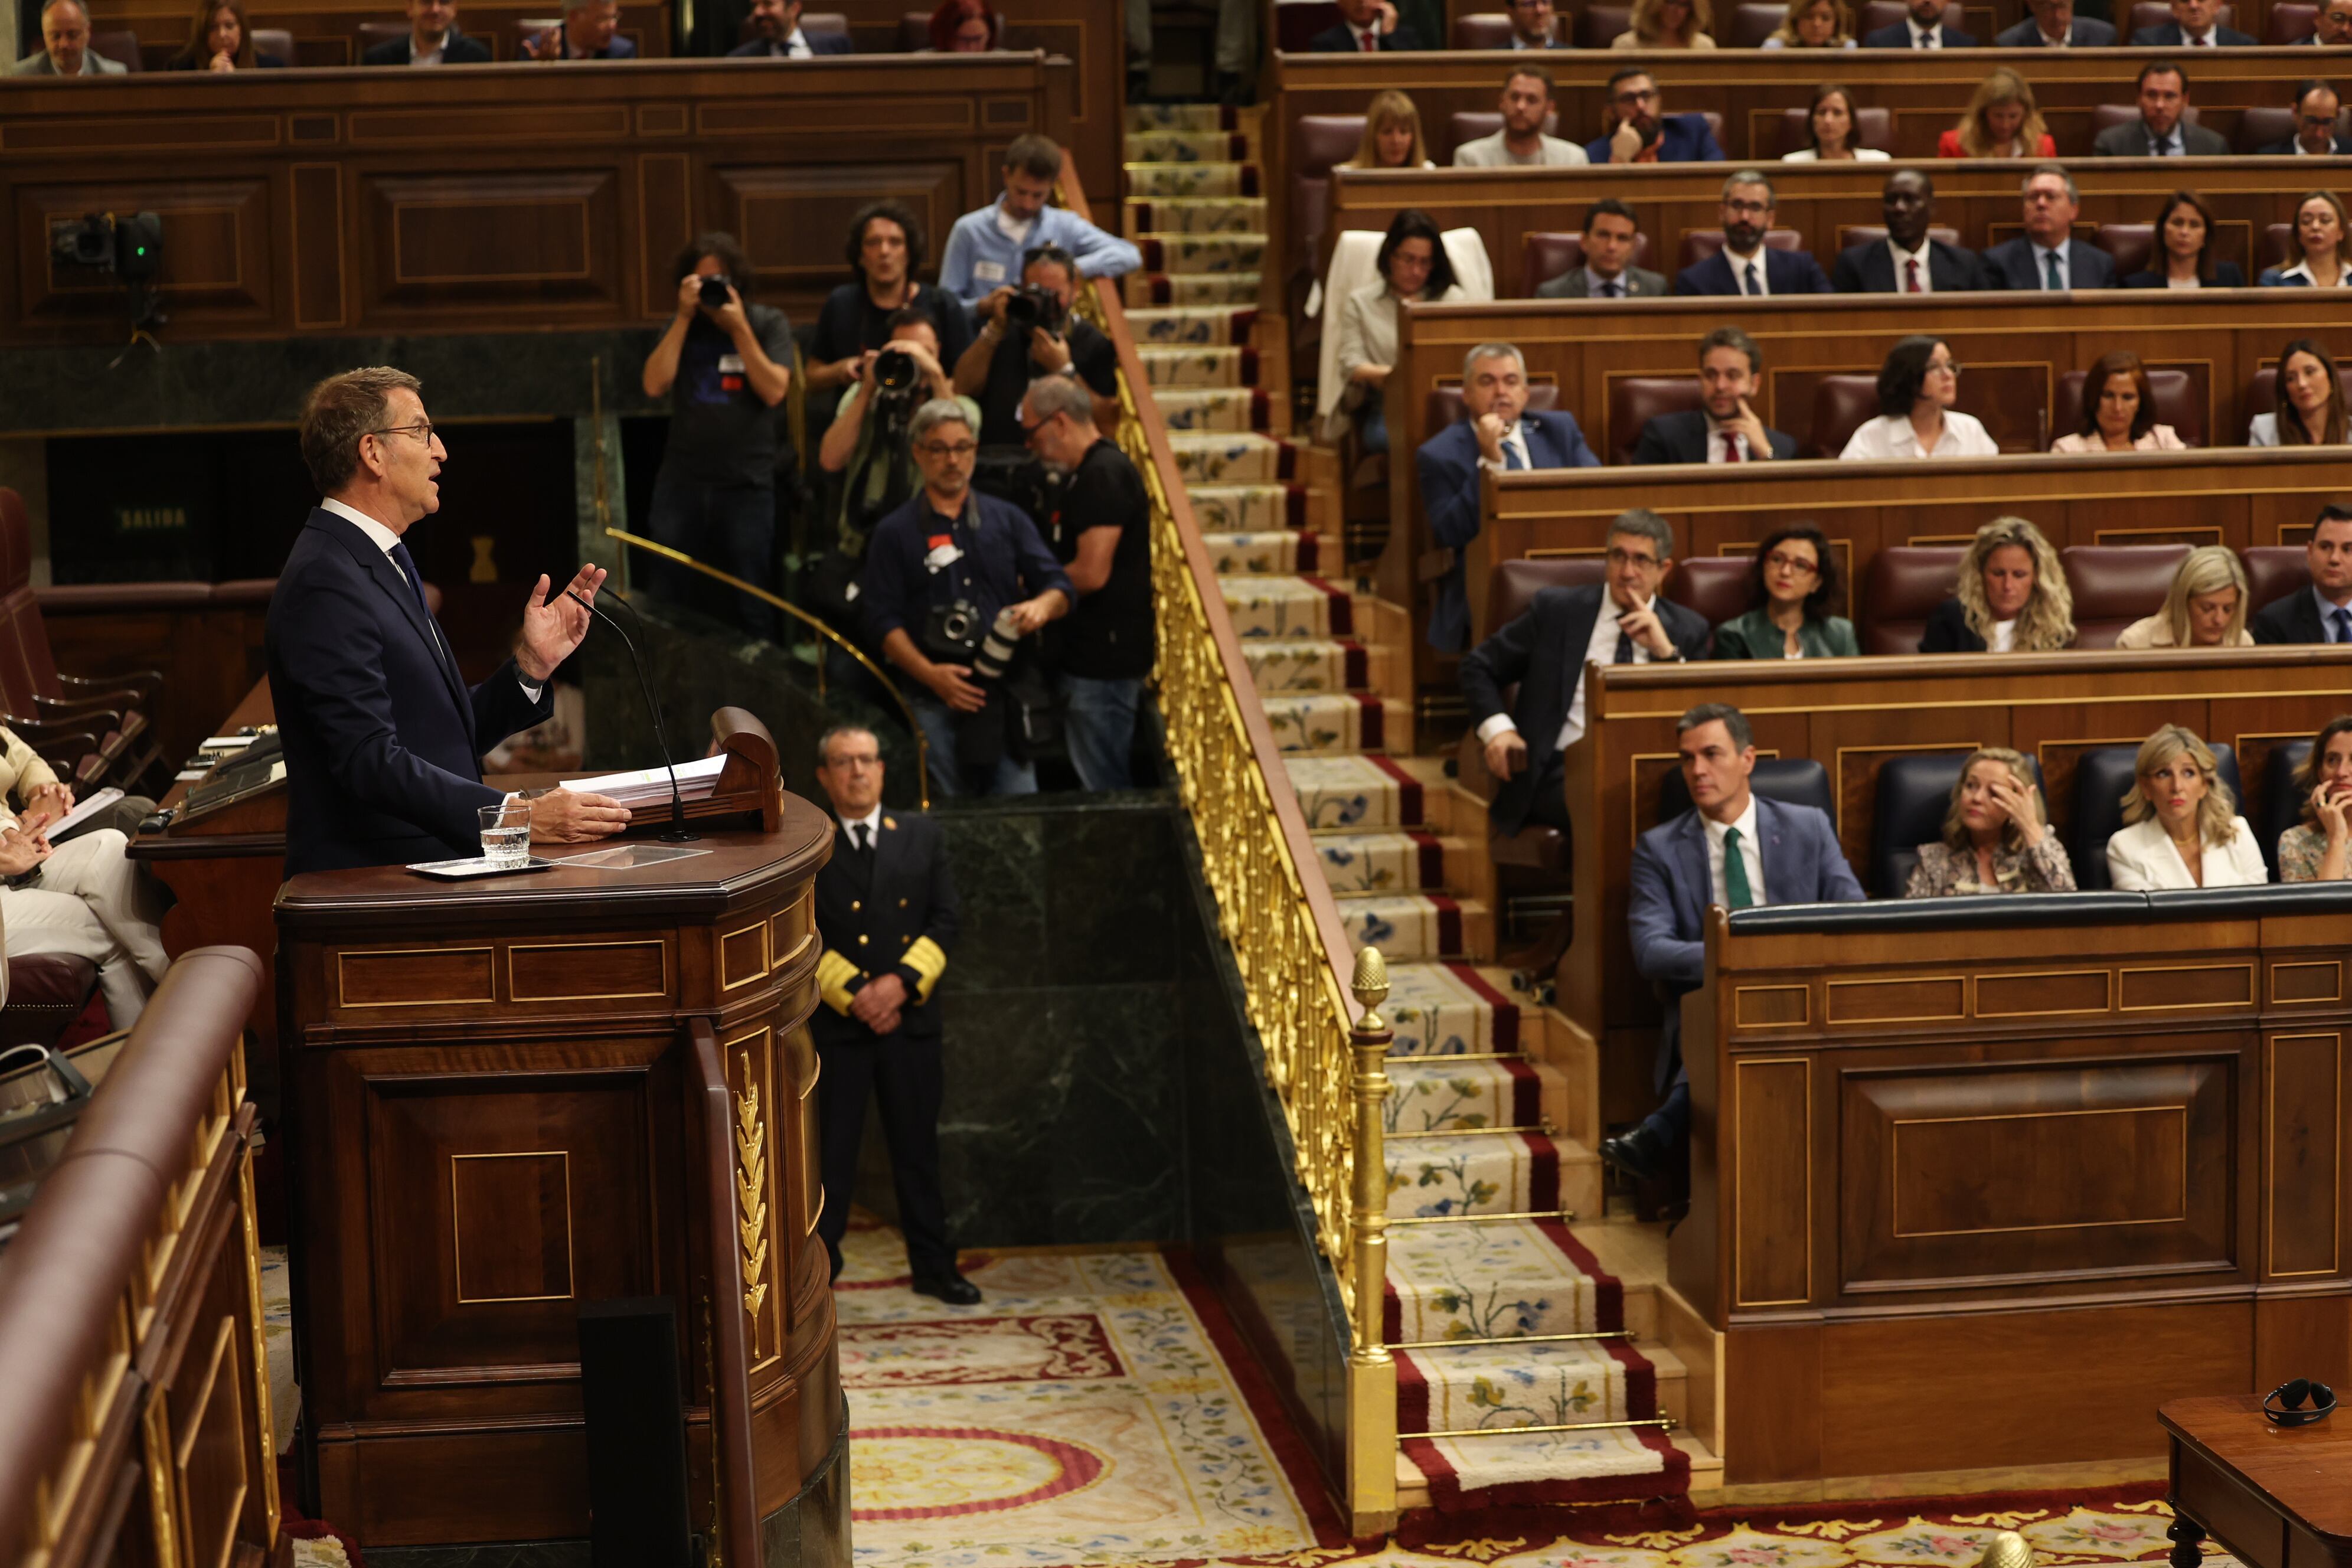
(219, 39)
(1412, 265)
(2310, 410)
(2183, 257)
(2119, 411)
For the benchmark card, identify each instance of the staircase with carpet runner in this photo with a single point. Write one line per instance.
(1508, 1320)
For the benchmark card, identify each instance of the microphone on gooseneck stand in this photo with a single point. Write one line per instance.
(677, 832)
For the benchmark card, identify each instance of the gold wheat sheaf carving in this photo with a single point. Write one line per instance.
(751, 1188)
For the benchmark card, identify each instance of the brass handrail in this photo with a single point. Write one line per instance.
(922, 747)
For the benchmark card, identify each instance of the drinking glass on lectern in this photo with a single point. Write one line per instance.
(506, 833)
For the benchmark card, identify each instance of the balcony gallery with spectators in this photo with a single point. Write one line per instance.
(1103, 783)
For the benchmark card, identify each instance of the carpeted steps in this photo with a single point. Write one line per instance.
(1219, 408)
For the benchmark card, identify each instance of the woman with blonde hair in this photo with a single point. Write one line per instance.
(1997, 836)
(2319, 848)
(2011, 596)
(1814, 25)
(2182, 829)
(1392, 135)
(2001, 121)
(2205, 608)
(1666, 25)
(2322, 238)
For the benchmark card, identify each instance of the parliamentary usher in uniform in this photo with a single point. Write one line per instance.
(887, 910)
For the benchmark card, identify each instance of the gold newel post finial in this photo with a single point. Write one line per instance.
(1371, 985)
(2007, 1549)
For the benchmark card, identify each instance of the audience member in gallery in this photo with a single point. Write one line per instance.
(1498, 434)
(1526, 105)
(1910, 259)
(1412, 265)
(1814, 25)
(2315, 108)
(1830, 125)
(1636, 129)
(1922, 29)
(1533, 25)
(2332, 28)
(590, 31)
(2184, 249)
(2047, 255)
(964, 27)
(1392, 135)
(1365, 27)
(1612, 234)
(2315, 849)
(2120, 412)
(2055, 26)
(1793, 585)
(433, 39)
(2195, 25)
(2325, 241)
(886, 246)
(1997, 836)
(219, 40)
(2011, 597)
(1917, 388)
(2162, 130)
(2311, 401)
(2181, 828)
(986, 246)
(2001, 121)
(2321, 613)
(1723, 428)
(1732, 848)
(1544, 653)
(65, 45)
(1666, 25)
(2205, 608)
(1746, 265)
(777, 34)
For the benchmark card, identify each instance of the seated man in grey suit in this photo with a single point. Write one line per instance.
(1610, 233)
(2055, 26)
(2047, 255)
(1723, 428)
(1908, 260)
(1545, 653)
(65, 45)
(2194, 25)
(2162, 130)
(1732, 848)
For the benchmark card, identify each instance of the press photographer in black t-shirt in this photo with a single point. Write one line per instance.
(886, 248)
(1027, 332)
(1100, 530)
(724, 365)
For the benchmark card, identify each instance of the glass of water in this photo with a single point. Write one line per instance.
(506, 834)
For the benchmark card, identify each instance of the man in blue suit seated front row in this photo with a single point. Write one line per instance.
(1500, 434)
(1732, 848)
(1746, 265)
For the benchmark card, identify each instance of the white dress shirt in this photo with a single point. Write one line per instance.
(1751, 855)
(2303, 270)
(2003, 638)
(431, 57)
(2203, 41)
(1739, 274)
(871, 823)
(1923, 255)
(2041, 253)
(384, 538)
(1923, 37)
(1714, 434)
(1600, 647)
(1890, 435)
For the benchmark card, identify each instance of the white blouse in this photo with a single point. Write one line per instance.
(1861, 155)
(1890, 435)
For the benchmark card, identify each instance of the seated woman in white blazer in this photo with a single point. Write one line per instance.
(2184, 829)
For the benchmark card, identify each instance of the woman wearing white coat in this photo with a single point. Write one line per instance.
(2183, 829)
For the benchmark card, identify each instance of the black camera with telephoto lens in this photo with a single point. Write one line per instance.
(714, 292)
(895, 371)
(1031, 306)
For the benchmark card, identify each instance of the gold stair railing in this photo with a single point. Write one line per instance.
(922, 749)
(1282, 923)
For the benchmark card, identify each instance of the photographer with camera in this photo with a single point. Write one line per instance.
(1100, 530)
(955, 584)
(868, 443)
(886, 249)
(724, 366)
(1026, 333)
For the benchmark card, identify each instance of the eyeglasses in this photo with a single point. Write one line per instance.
(1952, 367)
(423, 431)
(1795, 564)
(1629, 99)
(1746, 209)
(949, 448)
(1627, 558)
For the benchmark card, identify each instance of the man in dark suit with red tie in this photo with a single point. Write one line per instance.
(1746, 265)
(1909, 260)
(383, 738)
(1366, 27)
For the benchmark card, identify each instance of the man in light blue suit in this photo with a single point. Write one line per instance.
(1732, 848)
(1500, 434)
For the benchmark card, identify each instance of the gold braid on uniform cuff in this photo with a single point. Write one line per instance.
(834, 973)
(928, 963)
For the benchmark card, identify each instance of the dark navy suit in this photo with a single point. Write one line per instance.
(764, 48)
(1682, 139)
(2168, 36)
(1448, 467)
(1785, 272)
(383, 742)
(1898, 36)
(2015, 264)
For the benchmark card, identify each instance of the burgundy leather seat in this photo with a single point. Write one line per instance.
(2273, 572)
(35, 700)
(1874, 126)
(1751, 25)
(1880, 13)
(1599, 24)
(1444, 407)
(1717, 586)
(2156, 13)
(1875, 233)
(123, 48)
(2175, 396)
(2115, 585)
(1636, 400)
(1548, 254)
(1842, 405)
(2262, 396)
(2130, 244)
(46, 993)
(1481, 30)
(275, 42)
(1317, 143)
(1906, 583)
(1296, 23)
(2290, 24)
(1698, 243)
(1511, 587)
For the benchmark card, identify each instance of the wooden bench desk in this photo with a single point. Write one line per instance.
(2276, 1496)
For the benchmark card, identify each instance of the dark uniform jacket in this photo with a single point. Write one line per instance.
(890, 912)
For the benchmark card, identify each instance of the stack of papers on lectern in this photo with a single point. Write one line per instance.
(649, 787)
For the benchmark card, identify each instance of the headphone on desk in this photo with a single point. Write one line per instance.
(2283, 1406)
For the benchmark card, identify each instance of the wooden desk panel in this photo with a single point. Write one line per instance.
(498, 198)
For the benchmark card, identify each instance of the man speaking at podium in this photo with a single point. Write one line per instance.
(383, 741)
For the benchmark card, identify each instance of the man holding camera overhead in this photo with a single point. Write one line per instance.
(867, 439)
(724, 365)
(955, 585)
(1026, 333)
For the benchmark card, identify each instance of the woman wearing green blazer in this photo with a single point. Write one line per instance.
(1793, 585)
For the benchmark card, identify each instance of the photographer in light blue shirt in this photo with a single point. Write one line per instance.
(985, 247)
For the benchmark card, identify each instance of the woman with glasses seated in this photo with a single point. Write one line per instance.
(1792, 584)
(2205, 608)
(2319, 848)
(1412, 265)
(1996, 837)
(2011, 596)
(1917, 388)
(2183, 827)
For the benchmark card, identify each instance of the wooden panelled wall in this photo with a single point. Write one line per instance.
(498, 198)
